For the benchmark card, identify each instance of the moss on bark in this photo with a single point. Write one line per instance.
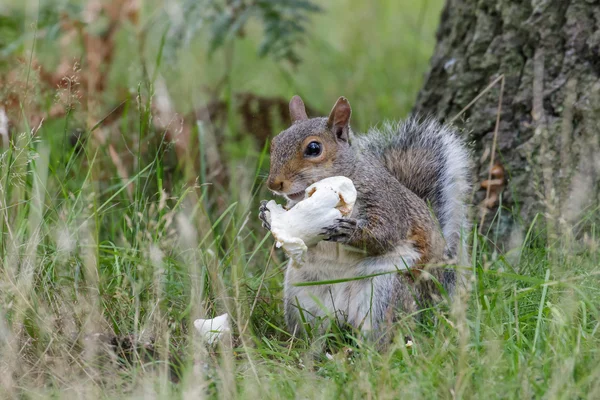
(549, 53)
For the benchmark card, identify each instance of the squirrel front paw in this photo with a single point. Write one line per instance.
(264, 215)
(342, 231)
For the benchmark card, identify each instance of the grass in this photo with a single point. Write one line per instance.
(102, 273)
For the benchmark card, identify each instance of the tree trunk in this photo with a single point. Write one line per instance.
(549, 127)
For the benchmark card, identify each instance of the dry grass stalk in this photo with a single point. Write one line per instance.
(488, 192)
(542, 134)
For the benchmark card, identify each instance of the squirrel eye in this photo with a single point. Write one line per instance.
(313, 149)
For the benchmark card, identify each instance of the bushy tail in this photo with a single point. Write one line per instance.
(432, 161)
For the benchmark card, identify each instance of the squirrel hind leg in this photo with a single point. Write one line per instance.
(412, 294)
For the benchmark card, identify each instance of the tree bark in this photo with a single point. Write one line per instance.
(549, 126)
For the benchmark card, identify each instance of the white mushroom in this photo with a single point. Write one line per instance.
(302, 225)
(213, 329)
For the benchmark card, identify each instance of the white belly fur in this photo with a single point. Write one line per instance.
(361, 303)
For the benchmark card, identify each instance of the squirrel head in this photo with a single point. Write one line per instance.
(310, 150)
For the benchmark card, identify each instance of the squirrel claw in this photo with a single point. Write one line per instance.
(341, 231)
(347, 223)
(266, 226)
(262, 215)
(337, 238)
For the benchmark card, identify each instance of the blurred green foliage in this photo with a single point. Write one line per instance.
(375, 54)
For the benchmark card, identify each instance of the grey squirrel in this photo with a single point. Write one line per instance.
(410, 216)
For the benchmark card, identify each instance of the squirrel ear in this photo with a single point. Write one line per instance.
(297, 110)
(339, 119)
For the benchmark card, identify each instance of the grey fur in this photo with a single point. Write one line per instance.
(398, 171)
(433, 162)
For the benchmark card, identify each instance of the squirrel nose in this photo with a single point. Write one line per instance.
(275, 184)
